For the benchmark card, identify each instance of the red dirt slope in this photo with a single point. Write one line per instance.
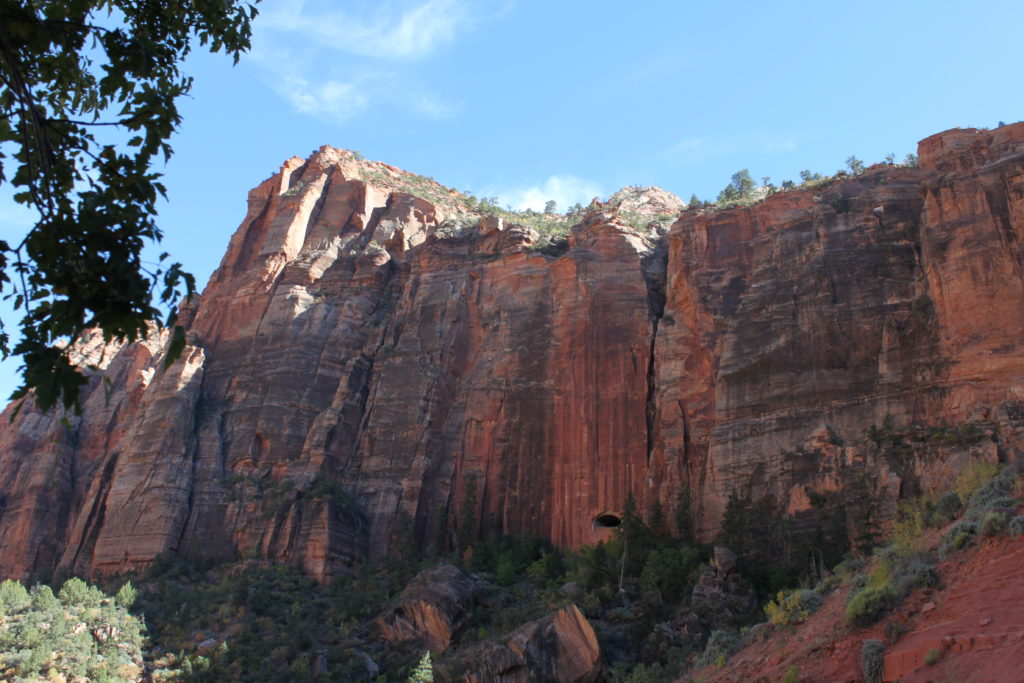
(975, 623)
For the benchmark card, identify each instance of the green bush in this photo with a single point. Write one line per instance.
(931, 657)
(82, 635)
(994, 523)
(974, 477)
(923, 574)
(947, 508)
(869, 603)
(13, 596)
(872, 660)
(125, 596)
(792, 607)
(992, 493)
(1016, 526)
(792, 675)
(43, 599)
(76, 592)
(959, 535)
(848, 568)
(721, 645)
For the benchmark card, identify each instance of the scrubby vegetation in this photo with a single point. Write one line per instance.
(78, 633)
(271, 623)
(871, 660)
(792, 607)
(742, 190)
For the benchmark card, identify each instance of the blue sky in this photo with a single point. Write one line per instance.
(566, 99)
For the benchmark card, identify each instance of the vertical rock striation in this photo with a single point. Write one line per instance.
(375, 368)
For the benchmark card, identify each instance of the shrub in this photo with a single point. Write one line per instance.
(947, 508)
(43, 599)
(721, 645)
(993, 493)
(792, 675)
(78, 592)
(828, 584)
(869, 602)
(872, 658)
(13, 596)
(794, 607)
(923, 574)
(974, 477)
(894, 631)
(994, 523)
(46, 638)
(957, 537)
(424, 671)
(1016, 526)
(931, 657)
(847, 569)
(912, 518)
(126, 595)
(856, 582)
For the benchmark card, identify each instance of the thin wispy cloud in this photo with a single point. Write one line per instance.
(333, 63)
(331, 99)
(388, 30)
(565, 190)
(433, 106)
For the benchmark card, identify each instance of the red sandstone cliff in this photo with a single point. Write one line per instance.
(369, 352)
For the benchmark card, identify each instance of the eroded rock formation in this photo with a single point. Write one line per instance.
(373, 366)
(432, 608)
(561, 646)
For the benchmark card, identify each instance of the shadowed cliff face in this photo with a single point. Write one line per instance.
(369, 370)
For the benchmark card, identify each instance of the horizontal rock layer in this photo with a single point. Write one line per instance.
(372, 371)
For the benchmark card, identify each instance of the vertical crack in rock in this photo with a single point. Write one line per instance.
(655, 271)
(94, 517)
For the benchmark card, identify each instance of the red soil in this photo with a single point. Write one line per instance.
(975, 624)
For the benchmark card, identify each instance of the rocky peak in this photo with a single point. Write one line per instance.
(650, 201)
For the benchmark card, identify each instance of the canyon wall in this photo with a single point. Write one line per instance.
(375, 367)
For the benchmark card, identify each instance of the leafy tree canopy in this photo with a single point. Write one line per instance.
(88, 93)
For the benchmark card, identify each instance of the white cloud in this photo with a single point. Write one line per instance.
(433, 106)
(328, 99)
(566, 190)
(332, 64)
(389, 30)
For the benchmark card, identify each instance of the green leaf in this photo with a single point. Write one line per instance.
(176, 346)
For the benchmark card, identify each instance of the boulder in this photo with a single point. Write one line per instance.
(560, 646)
(432, 608)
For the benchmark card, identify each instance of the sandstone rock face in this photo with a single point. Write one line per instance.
(432, 608)
(793, 325)
(558, 647)
(373, 367)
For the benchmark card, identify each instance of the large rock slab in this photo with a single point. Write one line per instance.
(559, 647)
(433, 608)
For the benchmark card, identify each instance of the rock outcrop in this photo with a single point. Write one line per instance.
(722, 597)
(432, 608)
(374, 367)
(561, 646)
